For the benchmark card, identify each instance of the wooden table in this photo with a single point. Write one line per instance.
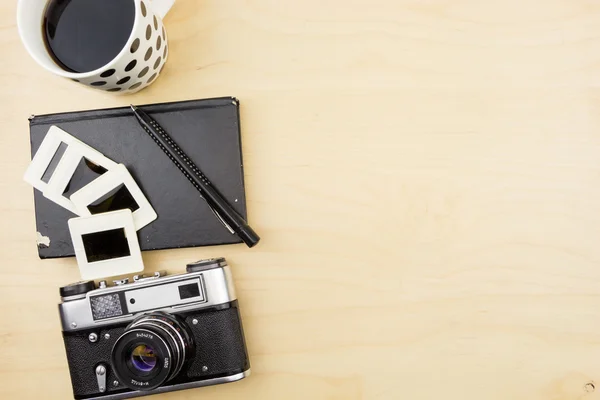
(425, 175)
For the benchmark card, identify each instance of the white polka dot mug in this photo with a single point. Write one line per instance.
(136, 66)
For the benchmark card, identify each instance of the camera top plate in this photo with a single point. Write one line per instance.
(109, 305)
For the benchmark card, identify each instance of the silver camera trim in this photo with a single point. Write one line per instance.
(172, 388)
(217, 287)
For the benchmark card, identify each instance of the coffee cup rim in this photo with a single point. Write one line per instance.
(57, 70)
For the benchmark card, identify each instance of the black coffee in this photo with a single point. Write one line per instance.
(84, 35)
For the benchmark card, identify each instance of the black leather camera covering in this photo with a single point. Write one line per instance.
(220, 344)
(83, 357)
(219, 340)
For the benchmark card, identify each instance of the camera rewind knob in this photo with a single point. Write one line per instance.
(204, 265)
(77, 289)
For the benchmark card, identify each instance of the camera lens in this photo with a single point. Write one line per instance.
(152, 350)
(143, 358)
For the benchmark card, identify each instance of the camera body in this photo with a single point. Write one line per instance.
(157, 334)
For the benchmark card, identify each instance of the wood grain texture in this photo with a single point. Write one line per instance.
(425, 175)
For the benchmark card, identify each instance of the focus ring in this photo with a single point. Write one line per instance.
(179, 353)
(121, 352)
(138, 356)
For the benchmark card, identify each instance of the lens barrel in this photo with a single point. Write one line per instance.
(152, 350)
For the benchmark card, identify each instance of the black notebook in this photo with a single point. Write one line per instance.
(208, 131)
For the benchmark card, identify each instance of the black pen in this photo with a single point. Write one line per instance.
(219, 206)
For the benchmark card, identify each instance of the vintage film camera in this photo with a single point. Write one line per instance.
(156, 334)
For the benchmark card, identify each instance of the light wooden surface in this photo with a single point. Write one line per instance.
(425, 175)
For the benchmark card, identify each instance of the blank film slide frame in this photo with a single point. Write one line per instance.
(109, 181)
(76, 150)
(114, 220)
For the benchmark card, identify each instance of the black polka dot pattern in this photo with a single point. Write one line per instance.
(107, 73)
(130, 66)
(148, 51)
(143, 72)
(135, 45)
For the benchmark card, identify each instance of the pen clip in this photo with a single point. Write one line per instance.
(225, 224)
(229, 228)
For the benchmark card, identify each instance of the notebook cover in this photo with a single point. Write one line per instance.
(207, 130)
